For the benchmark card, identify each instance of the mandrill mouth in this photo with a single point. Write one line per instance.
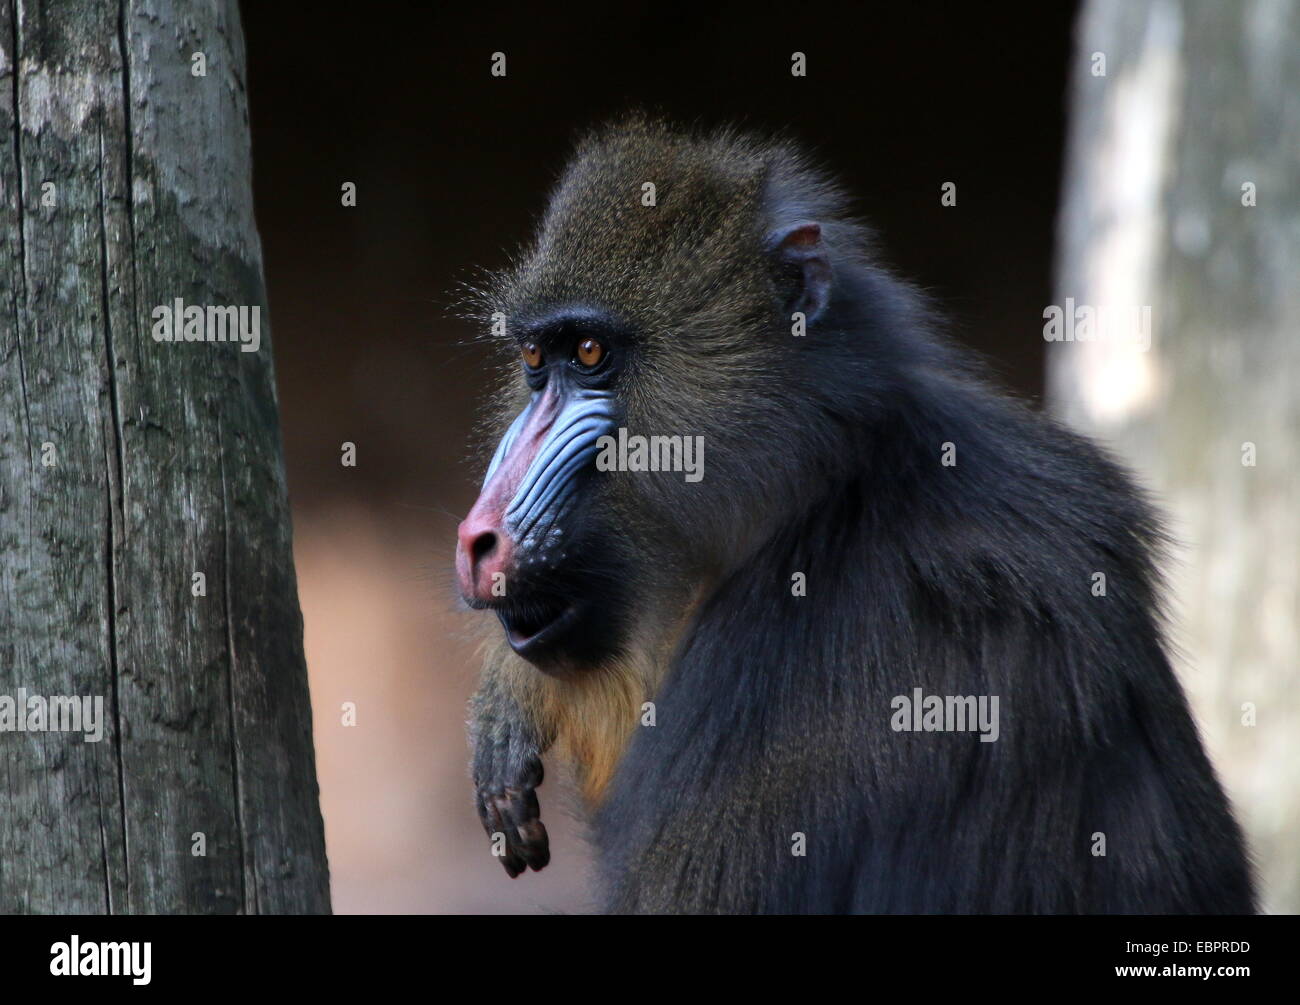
(536, 625)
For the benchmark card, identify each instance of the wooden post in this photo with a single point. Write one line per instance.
(144, 526)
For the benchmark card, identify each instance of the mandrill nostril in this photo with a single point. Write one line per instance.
(482, 546)
(484, 555)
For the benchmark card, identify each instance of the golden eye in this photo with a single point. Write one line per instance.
(590, 352)
(532, 354)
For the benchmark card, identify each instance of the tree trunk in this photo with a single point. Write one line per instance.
(128, 466)
(1195, 118)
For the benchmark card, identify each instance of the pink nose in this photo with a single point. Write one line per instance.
(483, 554)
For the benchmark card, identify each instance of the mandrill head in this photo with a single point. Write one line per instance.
(684, 294)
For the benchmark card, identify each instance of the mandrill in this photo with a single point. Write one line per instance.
(728, 662)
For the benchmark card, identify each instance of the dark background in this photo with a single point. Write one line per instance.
(452, 167)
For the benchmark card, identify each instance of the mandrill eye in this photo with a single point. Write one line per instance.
(532, 354)
(590, 352)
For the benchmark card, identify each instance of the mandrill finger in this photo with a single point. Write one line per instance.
(518, 833)
(536, 847)
(489, 812)
(512, 864)
(526, 833)
(522, 805)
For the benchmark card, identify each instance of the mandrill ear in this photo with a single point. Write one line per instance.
(804, 267)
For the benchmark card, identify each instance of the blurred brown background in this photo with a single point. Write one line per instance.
(452, 167)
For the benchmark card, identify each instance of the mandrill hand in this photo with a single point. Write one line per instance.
(507, 772)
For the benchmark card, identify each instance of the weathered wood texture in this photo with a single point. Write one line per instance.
(1199, 99)
(167, 462)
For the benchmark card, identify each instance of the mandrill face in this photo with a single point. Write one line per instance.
(664, 320)
(536, 547)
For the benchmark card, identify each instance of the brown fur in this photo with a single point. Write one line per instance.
(589, 718)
